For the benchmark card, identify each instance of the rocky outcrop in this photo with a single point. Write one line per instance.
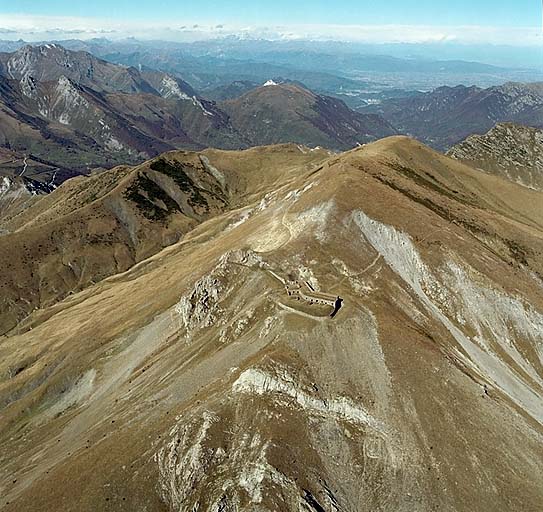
(512, 151)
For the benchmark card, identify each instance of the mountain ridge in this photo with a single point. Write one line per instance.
(78, 111)
(447, 115)
(92, 227)
(203, 377)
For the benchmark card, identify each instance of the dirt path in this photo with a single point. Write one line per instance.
(358, 274)
(25, 165)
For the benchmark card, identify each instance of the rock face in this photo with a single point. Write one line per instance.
(447, 115)
(48, 62)
(509, 150)
(194, 381)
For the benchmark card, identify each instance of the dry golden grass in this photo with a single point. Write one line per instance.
(182, 381)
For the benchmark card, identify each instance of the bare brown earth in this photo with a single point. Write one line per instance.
(191, 381)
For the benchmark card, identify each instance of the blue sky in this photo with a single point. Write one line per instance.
(419, 12)
(471, 21)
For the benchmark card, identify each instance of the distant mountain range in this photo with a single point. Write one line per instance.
(76, 111)
(447, 115)
(69, 112)
(326, 67)
(208, 66)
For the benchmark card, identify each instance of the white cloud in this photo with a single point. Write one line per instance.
(35, 28)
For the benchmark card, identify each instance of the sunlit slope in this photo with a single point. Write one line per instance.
(210, 375)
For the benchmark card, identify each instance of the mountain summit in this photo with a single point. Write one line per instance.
(289, 112)
(212, 374)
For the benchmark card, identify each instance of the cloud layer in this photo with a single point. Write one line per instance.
(36, 28)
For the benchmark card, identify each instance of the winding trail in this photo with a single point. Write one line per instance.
(358, 274)
(25, 165)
